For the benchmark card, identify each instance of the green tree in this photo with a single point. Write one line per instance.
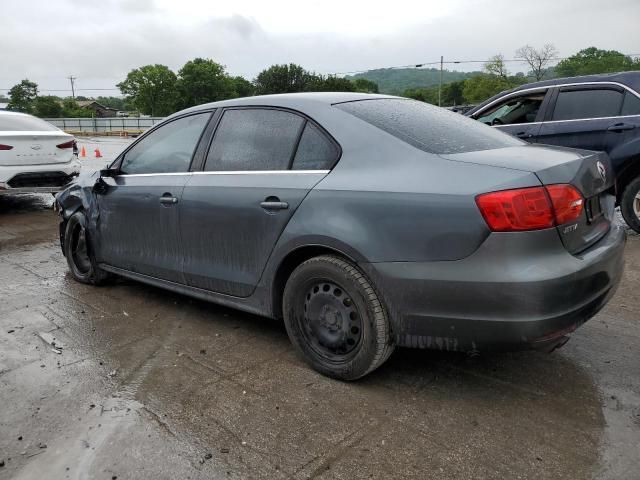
(331, 83)
(496, 66)
(479, 88)
(243, 87)
(202, 81)
(427, 94)
(113, 102)
(151, 89)
(47, 106)
(22, 96)
(452, 94)
(284, 79)
(593, 60)
(71, 109)
(365, 86)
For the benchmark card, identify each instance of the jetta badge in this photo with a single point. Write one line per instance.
(601, 170)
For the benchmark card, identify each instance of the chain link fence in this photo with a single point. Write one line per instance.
(105, 126)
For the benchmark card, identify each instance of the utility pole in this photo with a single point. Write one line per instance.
(440, 86)
(73, 92)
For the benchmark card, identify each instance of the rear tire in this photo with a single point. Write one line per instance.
(630, 204)
(77, 250)
(335, 319)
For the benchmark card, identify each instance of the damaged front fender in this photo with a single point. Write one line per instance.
(79, 195)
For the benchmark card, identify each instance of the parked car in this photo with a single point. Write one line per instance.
(365, 221)
(595, 112)
(35, 156)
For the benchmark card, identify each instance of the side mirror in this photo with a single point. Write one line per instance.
(108, 172)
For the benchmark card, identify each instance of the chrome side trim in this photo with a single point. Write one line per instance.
(264, 172)
(546, 87)
(230, 172)
(563, 121)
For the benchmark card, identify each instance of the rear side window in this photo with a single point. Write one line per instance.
(168, 149)
(631, 104)
(315, 150)
(581, 104)
(431, 129)
(254, 139)
(24, 123)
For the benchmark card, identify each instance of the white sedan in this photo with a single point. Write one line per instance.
(35, 156)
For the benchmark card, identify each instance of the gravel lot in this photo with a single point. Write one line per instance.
(148, 384)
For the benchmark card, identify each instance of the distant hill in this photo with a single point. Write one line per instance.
(397, 80)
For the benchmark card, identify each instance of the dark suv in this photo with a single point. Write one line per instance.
(595, 112)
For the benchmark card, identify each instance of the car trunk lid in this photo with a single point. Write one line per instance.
(588, 171)
(34, 148)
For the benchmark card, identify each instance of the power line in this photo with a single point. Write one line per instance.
(352, 72)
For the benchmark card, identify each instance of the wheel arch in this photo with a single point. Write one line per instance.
(289, 263)
(627, 175)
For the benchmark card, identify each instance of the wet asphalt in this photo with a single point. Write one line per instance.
(131, 382)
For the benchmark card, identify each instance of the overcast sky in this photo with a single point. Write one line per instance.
(99, 41)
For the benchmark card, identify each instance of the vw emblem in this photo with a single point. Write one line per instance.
(36, 147)
(602, 170)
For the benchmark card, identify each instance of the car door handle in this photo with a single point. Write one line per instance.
(619, 127)
(168, 200)
(274, 205)
(523, 135)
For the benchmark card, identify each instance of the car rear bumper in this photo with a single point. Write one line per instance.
(516, 291)
(37, 178)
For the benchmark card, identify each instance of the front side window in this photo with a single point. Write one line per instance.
(254, 139)
(315, 150)
(583, 104)
(521, 109)
(168, 149)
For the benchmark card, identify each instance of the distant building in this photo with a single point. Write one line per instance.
(99, 110)
(3, 106)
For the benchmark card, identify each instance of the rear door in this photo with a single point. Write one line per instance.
(261, 164)
(137, 227)
(518, 115)
(580, 117)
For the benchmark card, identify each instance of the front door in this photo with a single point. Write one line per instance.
(137, 227)
(260, 166)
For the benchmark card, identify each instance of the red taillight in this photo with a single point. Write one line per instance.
(532, 208)
(516, 210)
(66, 144)
(567, 203)
(5, 147)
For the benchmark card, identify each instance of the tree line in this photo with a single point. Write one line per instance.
(496, 77)
(158, 91)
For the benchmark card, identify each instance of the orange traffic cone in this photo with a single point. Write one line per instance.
(83, 152)
(98, 154)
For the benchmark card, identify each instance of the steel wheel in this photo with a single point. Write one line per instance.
(331, 324)
(636, 205)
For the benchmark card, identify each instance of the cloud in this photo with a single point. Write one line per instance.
(99, 42)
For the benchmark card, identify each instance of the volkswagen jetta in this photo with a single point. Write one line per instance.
(364, 221)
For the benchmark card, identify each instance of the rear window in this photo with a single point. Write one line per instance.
(631, 105)
(431, 129)
(22, 123)
(591, 103)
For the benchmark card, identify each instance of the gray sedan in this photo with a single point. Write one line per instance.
(364, 221)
